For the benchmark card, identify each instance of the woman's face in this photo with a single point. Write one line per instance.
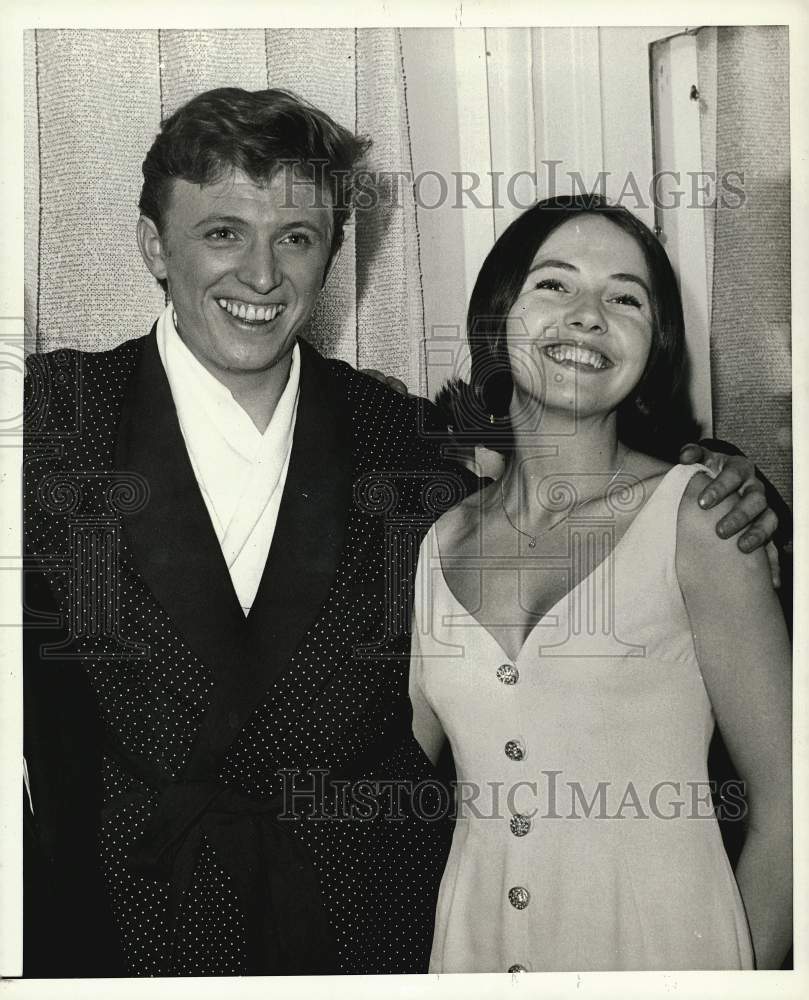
(580, 330)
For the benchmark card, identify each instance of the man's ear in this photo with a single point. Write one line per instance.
(331, 265)
(151, 247)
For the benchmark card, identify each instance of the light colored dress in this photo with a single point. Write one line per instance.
(587, 839)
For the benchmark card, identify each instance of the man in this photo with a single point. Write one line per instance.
(217, 598)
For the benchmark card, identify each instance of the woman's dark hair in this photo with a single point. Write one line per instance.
(256, 132)
(655, 418)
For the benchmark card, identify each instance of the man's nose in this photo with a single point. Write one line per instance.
(259, 269)
(586, 313)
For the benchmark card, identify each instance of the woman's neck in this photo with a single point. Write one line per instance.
(585, 454)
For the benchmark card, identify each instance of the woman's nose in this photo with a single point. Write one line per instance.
(259, 269)
(585, 313)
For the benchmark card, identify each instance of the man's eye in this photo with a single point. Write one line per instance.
(221, 235)
(297, 239)
(551, 284)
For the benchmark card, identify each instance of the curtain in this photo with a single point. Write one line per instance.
(93, 104)
(744, 91)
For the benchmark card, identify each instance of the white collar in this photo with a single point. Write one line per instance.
(200, 397)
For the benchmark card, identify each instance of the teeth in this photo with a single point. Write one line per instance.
(251, 313)
(578, 355)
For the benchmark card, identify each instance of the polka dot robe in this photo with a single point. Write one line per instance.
(343, 689)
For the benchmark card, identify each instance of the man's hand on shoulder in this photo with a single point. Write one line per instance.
(736, 474)
(389, 380)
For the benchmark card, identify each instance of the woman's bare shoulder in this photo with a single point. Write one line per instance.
(649, 469)
(643, 474)
(698, 544)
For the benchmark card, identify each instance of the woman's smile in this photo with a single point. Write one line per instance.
(577, 357)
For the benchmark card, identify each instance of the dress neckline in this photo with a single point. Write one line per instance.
(565, 599)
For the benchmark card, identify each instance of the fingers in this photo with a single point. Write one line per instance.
(775, 565)
(759, 532)
(747, 508)
(691, 453)
(736, 471)
(397, 385)
(389, 380)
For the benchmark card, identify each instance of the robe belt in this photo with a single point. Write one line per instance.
(271, 871)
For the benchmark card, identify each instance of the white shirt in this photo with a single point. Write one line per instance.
(240, 471)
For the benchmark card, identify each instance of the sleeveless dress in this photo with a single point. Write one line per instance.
(586, 838)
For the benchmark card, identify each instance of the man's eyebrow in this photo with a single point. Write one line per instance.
(236, 220)
(220, 220)
(300, 224)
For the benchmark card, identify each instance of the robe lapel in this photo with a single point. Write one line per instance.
(308, 540)
(303, 559)
(176, 551)
(172, 541)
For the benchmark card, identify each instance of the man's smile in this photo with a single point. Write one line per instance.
(250, 313)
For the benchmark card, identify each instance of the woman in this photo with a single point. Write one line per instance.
(578, 629)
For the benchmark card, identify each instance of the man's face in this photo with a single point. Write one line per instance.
(244, 265)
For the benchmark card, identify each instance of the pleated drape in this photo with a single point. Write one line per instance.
(93, 103)
(744, 86)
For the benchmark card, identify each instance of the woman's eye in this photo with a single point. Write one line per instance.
(551, 284)
(625, 299)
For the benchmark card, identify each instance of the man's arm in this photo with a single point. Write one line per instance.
(759, 511)
(426, 727)
(68, 928)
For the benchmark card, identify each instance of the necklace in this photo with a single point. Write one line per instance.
(532, 539)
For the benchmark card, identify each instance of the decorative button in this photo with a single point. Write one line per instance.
(517, 968)
(508, 674)
(514, 750)
(519, 824)
(519, 897)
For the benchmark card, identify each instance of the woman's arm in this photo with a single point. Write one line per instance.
(745, 659)
(426, 727)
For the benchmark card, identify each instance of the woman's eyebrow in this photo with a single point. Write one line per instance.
(618, 276)
(552, 263)
(623, 276)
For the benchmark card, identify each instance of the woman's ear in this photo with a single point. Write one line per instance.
(151, 247)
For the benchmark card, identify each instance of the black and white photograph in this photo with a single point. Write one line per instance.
(398, 471)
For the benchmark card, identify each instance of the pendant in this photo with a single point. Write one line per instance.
(532, 543)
